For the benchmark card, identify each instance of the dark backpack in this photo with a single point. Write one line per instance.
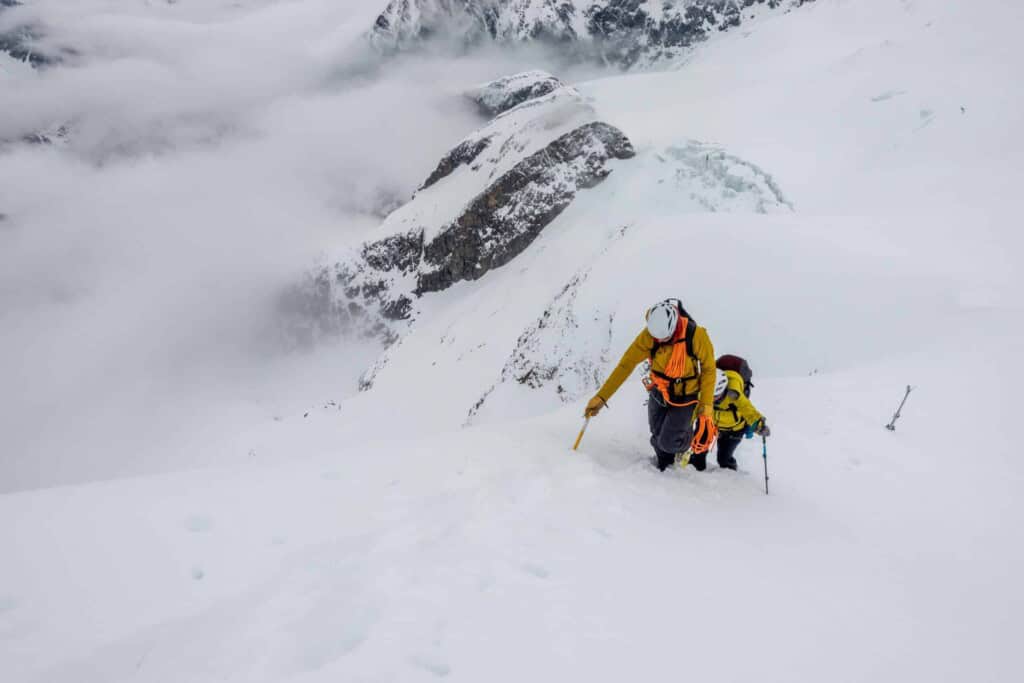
(738, 365)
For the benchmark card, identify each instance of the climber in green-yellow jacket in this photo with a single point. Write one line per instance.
(735, 416)
(681, 383)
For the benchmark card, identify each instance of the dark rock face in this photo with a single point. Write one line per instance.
(48, 137)
(399, 252)
(18, 44)
(499, 96)
(499, 224)
(18, 41)
(626, 31)
(363, 296)
(337, 301)
(623, 32)
(22, 41)
(464, 154)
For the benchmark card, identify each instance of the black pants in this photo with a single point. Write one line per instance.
(671, 429)
(727, 443)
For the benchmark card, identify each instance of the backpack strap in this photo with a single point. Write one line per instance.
(691, 329)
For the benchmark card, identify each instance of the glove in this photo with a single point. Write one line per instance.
(762, 428)
(748, 432)
(594, 406)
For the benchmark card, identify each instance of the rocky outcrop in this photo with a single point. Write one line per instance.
(465, 153)
(547, 353)
(497, 97)
(20, 41)
(18, 44)
(57, 135)
(25, 39)
(622, 32)
(500, 223)
(489, 198)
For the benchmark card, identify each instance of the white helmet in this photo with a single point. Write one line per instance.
(662, 320)
(721, 384)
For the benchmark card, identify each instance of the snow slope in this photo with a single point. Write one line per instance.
(437, 526)
(495, 553)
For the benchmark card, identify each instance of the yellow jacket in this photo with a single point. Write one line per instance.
(735, 411)
(702, 352)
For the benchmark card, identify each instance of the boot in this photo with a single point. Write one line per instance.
(665, 460)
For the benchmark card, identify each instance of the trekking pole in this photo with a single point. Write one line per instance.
(580, 437)
(892, 423)
(764, 454)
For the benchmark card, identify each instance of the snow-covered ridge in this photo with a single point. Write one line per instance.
(485, 203)
(499, 96)
(623, 32)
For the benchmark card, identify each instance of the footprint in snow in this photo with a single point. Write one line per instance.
(485, 582)
(198, 524)
(888, 95)
(13, 626)
(535, 570)
(431, 664)
(7, 604)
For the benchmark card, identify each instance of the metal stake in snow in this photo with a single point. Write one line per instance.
(764, 454)
(580, 437)
(892, 424)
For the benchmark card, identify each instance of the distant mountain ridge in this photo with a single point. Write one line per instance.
(621, 32)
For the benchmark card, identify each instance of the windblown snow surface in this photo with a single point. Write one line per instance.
(835, 194)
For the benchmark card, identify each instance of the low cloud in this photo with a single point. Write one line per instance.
(215, 151)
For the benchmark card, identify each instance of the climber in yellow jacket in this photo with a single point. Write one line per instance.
(681, 383)
(735, 416)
